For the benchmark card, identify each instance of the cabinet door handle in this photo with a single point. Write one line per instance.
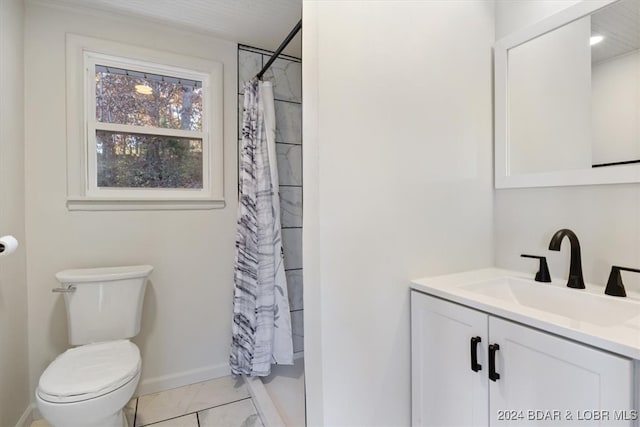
(475, 366)
(493, 375)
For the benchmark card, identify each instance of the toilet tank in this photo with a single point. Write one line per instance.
(106, 303)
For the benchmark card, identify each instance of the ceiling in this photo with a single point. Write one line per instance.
(258, 23)
(620, 26)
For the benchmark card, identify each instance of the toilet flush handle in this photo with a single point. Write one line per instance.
(64, 290)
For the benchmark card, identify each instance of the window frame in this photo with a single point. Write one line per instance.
(83, 193)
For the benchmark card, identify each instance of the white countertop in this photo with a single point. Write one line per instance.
(621, 337)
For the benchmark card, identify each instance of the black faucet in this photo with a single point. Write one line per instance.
(614, 285)
(575, 270)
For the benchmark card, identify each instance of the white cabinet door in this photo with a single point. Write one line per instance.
(445, 389)
(561, 381)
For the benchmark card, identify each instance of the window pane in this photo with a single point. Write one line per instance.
(130, 97)
(148, 161)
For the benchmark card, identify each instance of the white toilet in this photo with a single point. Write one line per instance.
(89, 385)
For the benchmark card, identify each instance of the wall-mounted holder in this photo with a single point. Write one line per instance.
(8, 245)
(543, 273)
(615, 287)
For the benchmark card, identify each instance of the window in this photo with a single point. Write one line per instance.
(146, 127)
(150, 131)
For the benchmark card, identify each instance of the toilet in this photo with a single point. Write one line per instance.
(89, 384)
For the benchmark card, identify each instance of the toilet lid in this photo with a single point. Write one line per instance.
(89, 371)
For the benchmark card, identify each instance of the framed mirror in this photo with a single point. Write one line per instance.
(567, 98)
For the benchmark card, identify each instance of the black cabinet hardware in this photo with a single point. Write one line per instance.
(493, 375)
(475, 366)
(614, 284)
(543, 272)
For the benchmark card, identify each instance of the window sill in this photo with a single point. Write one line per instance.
(118, 204)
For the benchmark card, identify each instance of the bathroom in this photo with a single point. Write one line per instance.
(398, 172)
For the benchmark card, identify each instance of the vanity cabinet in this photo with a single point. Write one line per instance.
(445, 391)
(543, 379)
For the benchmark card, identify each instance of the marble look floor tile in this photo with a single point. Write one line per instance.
(130, 411)
(40, 423)
(190, 420)
(237, 414)
(249, 64)
(289, 164)
(288, 122)
(292, 245)
(291, 206)
(192, 398)
(295, 289)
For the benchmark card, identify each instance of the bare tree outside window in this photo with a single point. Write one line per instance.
(145, 159)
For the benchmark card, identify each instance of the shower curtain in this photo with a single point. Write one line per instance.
(261, 330)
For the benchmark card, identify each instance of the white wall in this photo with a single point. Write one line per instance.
(398, 185)
(606, 218)
(616, 113)
(187, 310)
(513, 15)
(14, 381)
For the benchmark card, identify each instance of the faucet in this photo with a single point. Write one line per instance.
(575, 270)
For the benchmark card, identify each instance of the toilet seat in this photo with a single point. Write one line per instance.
(89, 371)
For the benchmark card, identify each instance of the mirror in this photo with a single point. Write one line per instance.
(568, 98)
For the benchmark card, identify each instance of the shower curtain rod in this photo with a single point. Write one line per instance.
(280, 49)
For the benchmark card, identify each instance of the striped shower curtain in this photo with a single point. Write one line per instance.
(261, 330)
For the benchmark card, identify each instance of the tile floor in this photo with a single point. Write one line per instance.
(223, 402)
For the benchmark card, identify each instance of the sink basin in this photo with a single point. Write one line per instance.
(584, 315)
(574, 304)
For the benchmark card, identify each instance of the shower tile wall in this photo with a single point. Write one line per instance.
(286, 76)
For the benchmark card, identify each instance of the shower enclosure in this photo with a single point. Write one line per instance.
(280, 396)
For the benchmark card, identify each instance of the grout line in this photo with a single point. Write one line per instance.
(224, 404)
(288, 101)
(198, 418)
(196, 412)
(168, 419)
(135, 412)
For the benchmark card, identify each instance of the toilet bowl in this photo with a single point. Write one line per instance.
(90, 384)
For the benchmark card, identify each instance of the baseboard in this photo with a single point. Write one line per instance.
(166, 382)
(27, 417)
